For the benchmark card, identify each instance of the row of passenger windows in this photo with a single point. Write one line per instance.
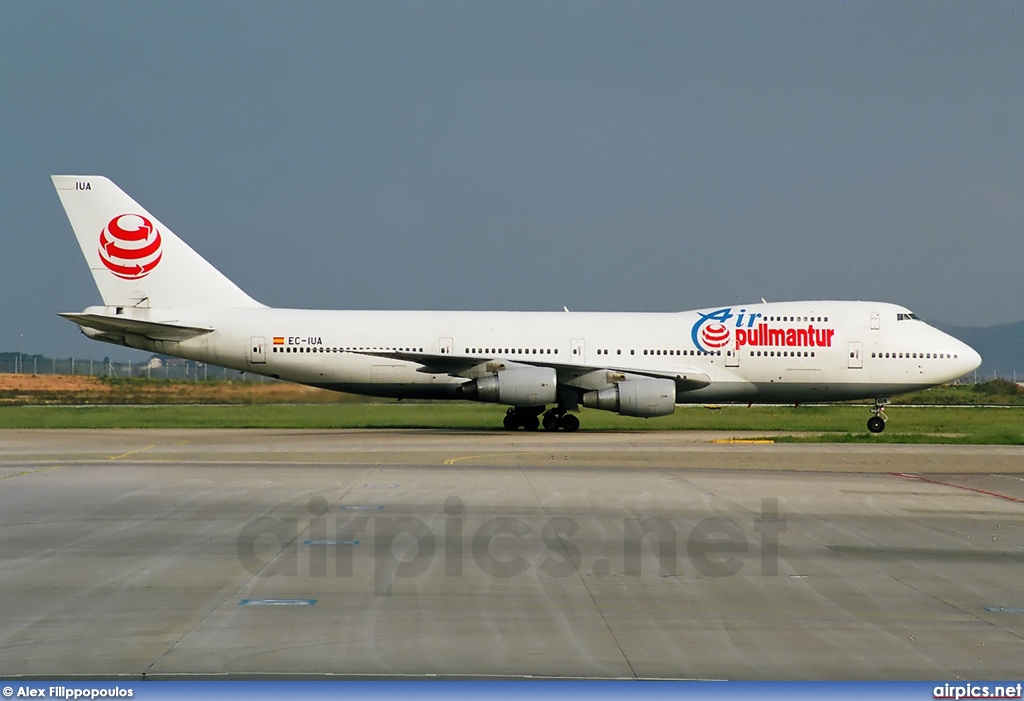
(602, 351)
(915, 355)
(782, 354)
(323, 349)
(511, 351)
(796, 318)
(677, 352)
(605, 351)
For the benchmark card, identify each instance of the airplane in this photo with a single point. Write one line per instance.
(160, 296)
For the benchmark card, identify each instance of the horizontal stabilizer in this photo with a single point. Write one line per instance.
(155, 330)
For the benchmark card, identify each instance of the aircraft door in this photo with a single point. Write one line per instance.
(578, 351)
(732, 358)
(856, 355)
(444, 345)
(257, 350)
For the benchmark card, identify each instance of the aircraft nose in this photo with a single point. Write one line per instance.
(970, 359)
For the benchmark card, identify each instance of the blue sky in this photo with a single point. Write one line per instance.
(472, 155)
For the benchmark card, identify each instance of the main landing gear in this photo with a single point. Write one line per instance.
(876, 424)
(529, 418)
(525, 417)
(560, 419)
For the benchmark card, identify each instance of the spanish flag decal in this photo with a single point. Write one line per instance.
(278, 340)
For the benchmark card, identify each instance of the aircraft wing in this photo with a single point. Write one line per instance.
(155, 330)
(686, 378)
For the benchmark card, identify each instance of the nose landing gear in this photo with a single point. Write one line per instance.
(876, 424)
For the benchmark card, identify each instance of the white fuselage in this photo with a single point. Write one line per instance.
(775, 352)
(160, 295)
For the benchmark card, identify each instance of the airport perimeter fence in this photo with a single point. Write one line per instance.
(170, 369)
(177, 369)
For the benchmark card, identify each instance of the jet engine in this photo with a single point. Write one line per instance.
(643, 397)
(526, 386)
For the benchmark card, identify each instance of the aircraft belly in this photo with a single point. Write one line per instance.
(393, 391)
(374, 378)
(784, 392)
(829, 392)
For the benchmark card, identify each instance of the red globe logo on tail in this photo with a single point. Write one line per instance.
(130, 246)
(715, 336)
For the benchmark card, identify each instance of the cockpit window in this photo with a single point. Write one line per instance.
(904, 317)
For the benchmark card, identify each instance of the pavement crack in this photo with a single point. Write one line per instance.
(577, 564)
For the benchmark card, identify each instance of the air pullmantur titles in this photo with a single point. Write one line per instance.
(763, 335)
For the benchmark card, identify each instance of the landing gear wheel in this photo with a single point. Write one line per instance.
(528, 417)
(511, 421)
(551, 422)
(876, 424)
(569, 423)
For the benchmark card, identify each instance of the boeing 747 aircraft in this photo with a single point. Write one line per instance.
(161, 296)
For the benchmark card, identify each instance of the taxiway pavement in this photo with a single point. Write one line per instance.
(389, 553)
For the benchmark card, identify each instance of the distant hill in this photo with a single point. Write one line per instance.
(1001, 347)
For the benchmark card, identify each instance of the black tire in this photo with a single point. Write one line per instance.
(511, 422)
(551, 422)
(569, 423)
(531, 423)
(876, 424)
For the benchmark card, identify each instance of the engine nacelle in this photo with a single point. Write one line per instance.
(514, 387)
(642, 398)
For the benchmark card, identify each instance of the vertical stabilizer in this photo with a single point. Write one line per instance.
(135, 259)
